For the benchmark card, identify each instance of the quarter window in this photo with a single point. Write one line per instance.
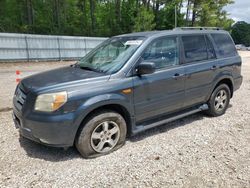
(194, 48)
(163, 52)
(224, 44)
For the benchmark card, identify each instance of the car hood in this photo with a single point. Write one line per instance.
(60, 77)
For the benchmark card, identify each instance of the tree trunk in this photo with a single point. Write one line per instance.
(92, 15)
(84, 23)
(148, 4)
(157, 5)
(57, 13)
(156, 13)
(29, 12)
(118, 10)
(194, 12)
(187, 13)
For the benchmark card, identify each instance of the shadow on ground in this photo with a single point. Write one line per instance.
(166, 127)
(171, 125)
(36, 150)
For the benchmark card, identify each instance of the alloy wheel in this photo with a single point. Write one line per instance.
(105, 136)
(220, 100)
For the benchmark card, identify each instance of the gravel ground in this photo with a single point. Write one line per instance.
(196, 151)
(8, 77)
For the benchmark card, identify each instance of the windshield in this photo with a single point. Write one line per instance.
(111, 55)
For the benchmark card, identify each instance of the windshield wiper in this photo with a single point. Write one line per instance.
(87, 68)
(76, 65)
(82, 67)
(91, 69)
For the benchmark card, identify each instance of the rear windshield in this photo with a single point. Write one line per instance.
(225, 45)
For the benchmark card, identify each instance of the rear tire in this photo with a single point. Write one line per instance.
(103, 133)
(219, 101)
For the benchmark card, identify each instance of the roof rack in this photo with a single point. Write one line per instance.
(198, 28)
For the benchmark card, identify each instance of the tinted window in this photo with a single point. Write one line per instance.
(163, 52)
(224, 44)
(194, 48)
(210, 49)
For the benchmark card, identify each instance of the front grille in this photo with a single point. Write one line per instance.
(20, 96)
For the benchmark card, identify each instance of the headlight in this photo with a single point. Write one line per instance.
(51, 101)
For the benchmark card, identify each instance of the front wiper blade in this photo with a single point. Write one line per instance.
(87, 68)
(91, 69)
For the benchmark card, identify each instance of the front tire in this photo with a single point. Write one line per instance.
(219, 101)
(103, 133)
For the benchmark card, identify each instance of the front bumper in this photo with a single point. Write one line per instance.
(56, 130)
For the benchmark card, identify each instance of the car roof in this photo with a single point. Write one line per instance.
(171, 32)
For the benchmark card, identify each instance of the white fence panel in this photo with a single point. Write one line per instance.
(44, 47)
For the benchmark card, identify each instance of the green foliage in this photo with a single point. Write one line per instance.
(144, 20)
(241, 33)
(210, 13)
(108, 17)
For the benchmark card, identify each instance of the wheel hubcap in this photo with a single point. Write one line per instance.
(220, 100)
(105, 136)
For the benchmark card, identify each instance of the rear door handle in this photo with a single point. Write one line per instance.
(177, 75)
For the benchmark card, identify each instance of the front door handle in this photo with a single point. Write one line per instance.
(177, 75)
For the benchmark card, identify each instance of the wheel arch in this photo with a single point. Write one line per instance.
(225, 80)
(111, 106)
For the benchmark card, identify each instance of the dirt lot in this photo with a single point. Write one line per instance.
(196, 151)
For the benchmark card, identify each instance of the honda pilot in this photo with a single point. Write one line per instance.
(126, 85)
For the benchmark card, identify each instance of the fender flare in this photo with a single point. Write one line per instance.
(218, 79)
(98, 101)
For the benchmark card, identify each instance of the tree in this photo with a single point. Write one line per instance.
(108, 17)
(208, 13)
(144, 21)
(241, 33)
(129, 11)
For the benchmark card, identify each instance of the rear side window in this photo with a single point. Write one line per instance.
(224, 45)
(195, 48)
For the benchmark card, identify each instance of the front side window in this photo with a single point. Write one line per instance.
(195, 48)
(163, 52)
(111, 55)
(224, 44)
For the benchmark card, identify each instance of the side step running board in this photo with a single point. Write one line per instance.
(142, 128)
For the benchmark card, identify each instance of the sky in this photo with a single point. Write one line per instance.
(239, 11)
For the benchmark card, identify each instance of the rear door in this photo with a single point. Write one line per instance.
(201, 67)
(162, 91)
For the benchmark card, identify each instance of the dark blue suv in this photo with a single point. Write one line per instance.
(126, 85)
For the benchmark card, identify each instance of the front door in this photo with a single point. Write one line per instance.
(162, 91)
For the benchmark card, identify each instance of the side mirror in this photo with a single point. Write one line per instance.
(145, 68)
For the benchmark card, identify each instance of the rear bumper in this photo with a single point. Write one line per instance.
(56, 131)
(237, 82)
